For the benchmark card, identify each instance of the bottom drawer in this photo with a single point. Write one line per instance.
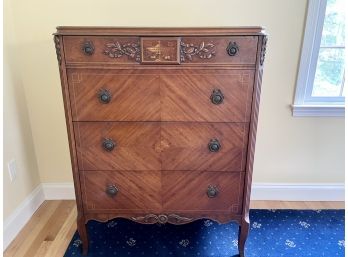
(121, 190)
(202, 191)
(162, 192)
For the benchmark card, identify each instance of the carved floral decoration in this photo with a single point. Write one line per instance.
(203, 51)
(162, 218)
(117, 50)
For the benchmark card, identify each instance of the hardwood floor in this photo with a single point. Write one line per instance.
(51, 228)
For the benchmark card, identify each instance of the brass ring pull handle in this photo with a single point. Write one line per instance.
(217, 97)
(111, 190)
(212, 191)
(104, 96)
(232, 49)
(108, 144)
(88, 48)
(214, 145)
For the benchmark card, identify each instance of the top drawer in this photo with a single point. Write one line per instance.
(238, 50)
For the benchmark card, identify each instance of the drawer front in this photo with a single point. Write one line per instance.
(172, 95)
(98, 96)
(121, 190)
(118, 145)
(161, 146)
(204, 146)
(221, 97)
(92, 49)
(240, 50)
(202, 191)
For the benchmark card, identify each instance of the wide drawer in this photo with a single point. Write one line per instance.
(121, 190)
(161, 146)
(191, 50)
(202, 191)
(161, 95)
(162, 192)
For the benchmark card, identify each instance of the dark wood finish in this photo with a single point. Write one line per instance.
(160, 143)
(187, 191)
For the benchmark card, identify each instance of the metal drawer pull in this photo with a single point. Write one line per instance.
(232, 49)
(104, 96)
(108, 144)
(212, 191)
(112, 190)
(88, 48)
(214, 145)
(217, 97)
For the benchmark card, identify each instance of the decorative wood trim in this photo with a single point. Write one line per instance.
(253, 129)
(263, 50)
(162, 219)
(70, 131)
(56, 40)
(203, 51)
(160, 50)
(117, 50)
(127, 31)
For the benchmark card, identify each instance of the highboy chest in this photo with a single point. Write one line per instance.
(161, 122)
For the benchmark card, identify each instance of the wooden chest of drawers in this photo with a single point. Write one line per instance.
(161, 122)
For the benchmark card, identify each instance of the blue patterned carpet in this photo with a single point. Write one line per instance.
(273, 233)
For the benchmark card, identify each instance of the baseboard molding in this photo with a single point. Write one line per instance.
(298, 192)
(58, 191)
(21, 215)
(260, 191)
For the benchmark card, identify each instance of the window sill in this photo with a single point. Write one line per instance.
(318, 110)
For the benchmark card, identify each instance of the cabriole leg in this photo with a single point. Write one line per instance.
(82, 229)
(243, 235)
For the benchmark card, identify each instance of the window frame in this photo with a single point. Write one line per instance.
(304, 103)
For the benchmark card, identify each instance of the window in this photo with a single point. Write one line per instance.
(321, 78)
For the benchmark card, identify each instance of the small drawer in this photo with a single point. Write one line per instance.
(239, 50)
(202, 191)
(204, 146)
(100, 49)
(118, 145)
(121, 190)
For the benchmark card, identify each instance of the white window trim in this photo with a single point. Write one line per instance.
(308, 64)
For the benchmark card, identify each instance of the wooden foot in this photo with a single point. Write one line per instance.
(82, 229)
(243, 235)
